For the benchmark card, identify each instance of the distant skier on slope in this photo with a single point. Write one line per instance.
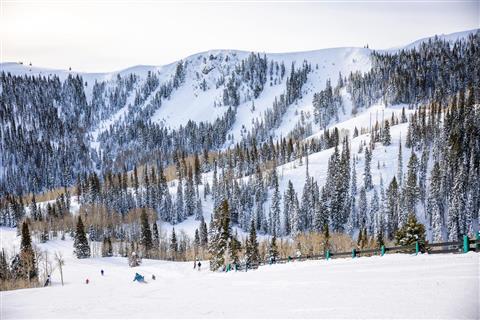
(199, 265)
(101, 271)
(48, 281)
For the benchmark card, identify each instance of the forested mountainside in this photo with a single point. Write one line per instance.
(230, 123)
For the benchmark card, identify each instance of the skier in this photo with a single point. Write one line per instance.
(101, 271)
(47, 283)
(194, 264)
(87, 281)
(199, 265)
(153, 277)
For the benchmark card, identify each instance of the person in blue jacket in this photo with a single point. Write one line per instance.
(139, 278)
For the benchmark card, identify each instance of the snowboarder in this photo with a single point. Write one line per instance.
(199, 265)
(47, 282)
(101, 271)
(87, 281)
(139, 278)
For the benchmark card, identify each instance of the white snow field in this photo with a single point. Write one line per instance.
(394, 286)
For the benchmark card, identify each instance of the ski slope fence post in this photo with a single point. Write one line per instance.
(382, 252)
(466, 244)
(417, 247)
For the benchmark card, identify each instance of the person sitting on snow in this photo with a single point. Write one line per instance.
(139, 278)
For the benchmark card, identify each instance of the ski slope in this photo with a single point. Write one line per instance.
(393, 286)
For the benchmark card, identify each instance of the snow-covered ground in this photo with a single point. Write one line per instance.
(393, 286)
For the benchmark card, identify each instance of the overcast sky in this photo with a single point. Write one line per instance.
(110, 35)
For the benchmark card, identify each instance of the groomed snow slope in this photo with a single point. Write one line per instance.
(393, 286)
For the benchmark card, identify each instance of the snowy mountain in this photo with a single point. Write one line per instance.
(179, 139)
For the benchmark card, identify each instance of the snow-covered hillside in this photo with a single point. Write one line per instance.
(393, 286)
(191, 102)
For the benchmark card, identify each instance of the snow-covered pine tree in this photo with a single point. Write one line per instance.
(272, 248)
(179, 205)
(80, 244)
(367, 175)
(373, 223)
(252, 255)
(386, 137)
(392, 208)
(456, 206)
(411, 232)
(220, 234)
(173, 248)
(435, 203)
(25, 265)
(411, 192)
(275, 209)
(146, 234)
(203, 233)
(362, 209)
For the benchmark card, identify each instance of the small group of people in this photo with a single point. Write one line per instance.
(87, 281)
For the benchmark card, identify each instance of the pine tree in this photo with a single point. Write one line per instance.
(220, 236)
(435, 202)
(155, 236)
(373, 226)
(173, 246)
(456, 207)
(252, 255)
(203, 233)
(362, 209)
(367, 176)
(380, 238)
(234, 248)
(27, 267)
(146, 234)
(411, 232)
(400, 164)
(196, 242)
(179, 204)
(391, 208)
(4, 269)
(275, 209)
(411, 188)
(80, 244)
(386, 139)
(326, 237)
(272, 249)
